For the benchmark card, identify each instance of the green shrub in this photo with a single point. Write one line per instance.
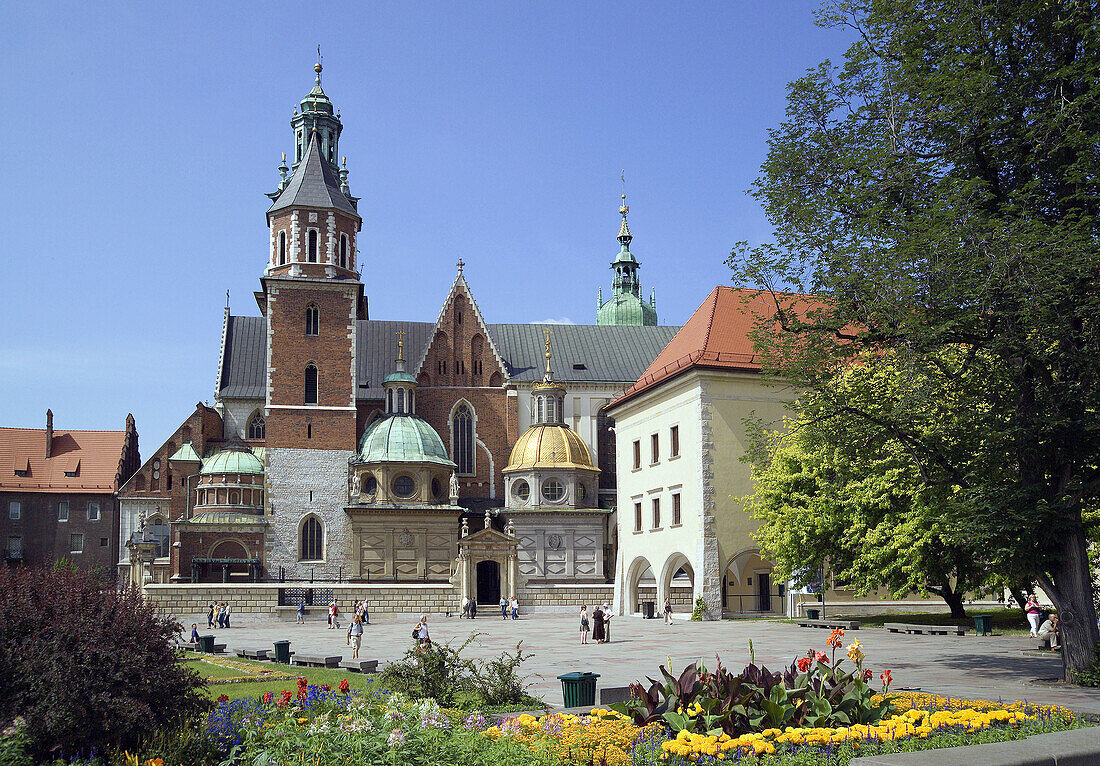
(1090, 676)
(91, 667)
(700, 610)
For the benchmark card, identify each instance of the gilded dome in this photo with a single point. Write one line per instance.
(402, 439)
(233, 461)
(550, 446)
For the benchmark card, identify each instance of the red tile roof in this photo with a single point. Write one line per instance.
(716, 337)
(93, 455)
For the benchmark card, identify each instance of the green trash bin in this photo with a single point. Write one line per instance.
(206, 644)
(282, 652)
(579, 689)
(983, 624)
(813, 614)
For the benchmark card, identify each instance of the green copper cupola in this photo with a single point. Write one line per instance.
(316, 111)
(626, 305)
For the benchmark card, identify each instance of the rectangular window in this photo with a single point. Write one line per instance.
(674, 441)
(63, 511)
(656, 513)
(15, 547)
(93, 511)
(637, 517)
(76, 543)
(103, 542)
(637, 454)
(655, 447)
(15, 510)
(676, 510)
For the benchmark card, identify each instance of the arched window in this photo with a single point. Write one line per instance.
(158, 530)
(312, 246)
(311, 385)
(311, 540)
(282, 247)
(313, 320)
(538, 418)
(389, 400)
(550, 410)
(464, 440)
(343, 251)
(256, 426)
(298, 149)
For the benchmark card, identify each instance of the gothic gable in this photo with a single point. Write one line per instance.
(461, 351)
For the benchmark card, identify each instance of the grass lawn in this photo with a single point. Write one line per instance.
(315, 676)
(1006, 622)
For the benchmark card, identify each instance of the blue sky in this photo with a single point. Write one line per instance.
(139, 141)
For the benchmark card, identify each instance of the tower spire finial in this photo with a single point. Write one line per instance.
(548, 375)
(317, 66)
(400, 345)
(624, 231)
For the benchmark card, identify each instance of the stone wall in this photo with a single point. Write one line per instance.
(301, 483)
(681, 597)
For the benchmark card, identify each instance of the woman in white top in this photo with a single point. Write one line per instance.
(422, 633)
(584, 624)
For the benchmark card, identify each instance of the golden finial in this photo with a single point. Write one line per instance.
(400, 345)
(548, 333)
(623, 209)
(284, 156)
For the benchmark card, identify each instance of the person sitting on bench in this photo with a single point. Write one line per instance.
(1048, 631)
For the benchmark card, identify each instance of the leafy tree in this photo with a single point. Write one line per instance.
(88, 667)
(939, 191)
(832, 494)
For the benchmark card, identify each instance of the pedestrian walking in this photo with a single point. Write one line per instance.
(301, 618)
(515, 608)
(473, 608)
(217, 615)
(351, 624)
(584, 624)
(422, 634)
(334, 611)
(210, 616)
(668, 611)
(607, 623)
(366, 614)
(225, 614)
(503, 608)
(597, 625)
(1031, 609)
(355, 633)
(465, 607)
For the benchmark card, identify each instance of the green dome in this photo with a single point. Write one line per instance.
(402, 439)
(626, 309)
(233, 461)
(399, 377)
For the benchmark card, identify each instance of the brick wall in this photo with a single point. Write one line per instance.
(330, 424)
(329, 225)
(46, 539)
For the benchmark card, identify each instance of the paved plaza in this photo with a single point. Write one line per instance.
(965, 666)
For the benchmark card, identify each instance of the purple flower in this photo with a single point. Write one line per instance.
(475, 720)
(397, 738)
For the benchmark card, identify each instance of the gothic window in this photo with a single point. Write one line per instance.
(313, 320)
(311, 385)
(496, 380)
(256, 426)
(158, 530)
(343, 251)
(282, 248)
(311, 540)
(463, 429)
(312, 246)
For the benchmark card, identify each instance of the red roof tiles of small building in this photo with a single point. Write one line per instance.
(93, 456)
(716, 337)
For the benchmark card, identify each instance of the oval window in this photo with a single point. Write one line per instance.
(370, 486)
(521, 491)
(403, 486)
(437, 488)
(553, 490)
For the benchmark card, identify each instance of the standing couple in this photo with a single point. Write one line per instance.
(601, 624)
(506, 605)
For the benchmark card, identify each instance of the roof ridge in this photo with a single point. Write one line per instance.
(60, 431)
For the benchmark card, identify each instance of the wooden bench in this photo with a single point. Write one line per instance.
(930, 630)
(360, 666)
(218, 648)
(834, 624)
(253, 654)
(316, 660)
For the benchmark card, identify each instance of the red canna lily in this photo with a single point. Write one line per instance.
(804, 664)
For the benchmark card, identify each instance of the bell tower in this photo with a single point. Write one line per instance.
(311, 299)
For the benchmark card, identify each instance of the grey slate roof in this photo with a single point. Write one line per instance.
(244, 358)
(314, 184)
(609, 354)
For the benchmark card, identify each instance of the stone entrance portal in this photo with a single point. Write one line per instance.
(483, 557)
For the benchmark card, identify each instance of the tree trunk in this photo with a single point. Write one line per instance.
(1070, 588)
(1020, 595)
(954, 600)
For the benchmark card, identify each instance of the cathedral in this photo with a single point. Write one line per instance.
(458, 456)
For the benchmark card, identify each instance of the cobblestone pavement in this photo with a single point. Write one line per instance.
(964, 666)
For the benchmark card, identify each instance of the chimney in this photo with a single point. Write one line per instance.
(49, 432)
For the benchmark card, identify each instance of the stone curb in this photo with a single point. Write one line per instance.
(1078, 747)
